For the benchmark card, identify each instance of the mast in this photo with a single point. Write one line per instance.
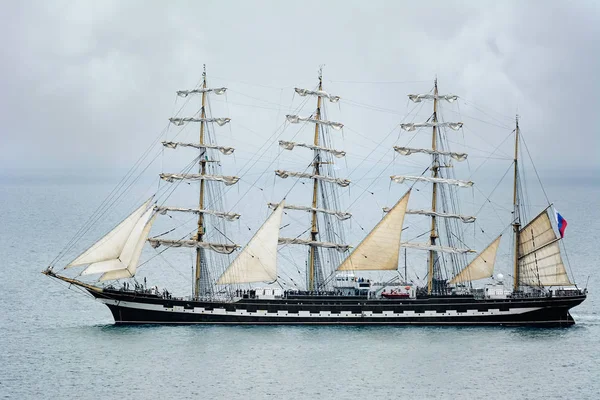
(324, 184)
(516, 216)
(314, 229)
(206, 172)
(405, 273)
(435, 169)
(438, 152)
(200, 236)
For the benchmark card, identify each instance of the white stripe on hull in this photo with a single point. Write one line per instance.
(322, 314)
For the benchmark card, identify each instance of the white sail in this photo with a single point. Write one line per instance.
(401, 179)
(329, 245)
(413, 126)
(229, 216)
(540, 262)
(217, 247)
(467, 219)
(294, 119)
(481, 267)
(417, 98)
(442, 249)
(338, 214)
(405, 151)
(284, 174)
(134, 255)
(181, 121)
(380, 249)
(319, 93)
(112, 244)
(257, 262)
(227, 180)
(290, 146)
(225, 150)
(186, 93)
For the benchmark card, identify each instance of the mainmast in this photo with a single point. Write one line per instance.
(314, 230)
(320, 176)
(516, 215)
(435, 167)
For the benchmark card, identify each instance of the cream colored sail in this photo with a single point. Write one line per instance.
(285, 174)
(540, 262)
(129, 256)
(380, 249)
(341, 215)
(257, 262)
(227, 180)
(457, 182)
(111, 246)
(481, 267)
(133, 255)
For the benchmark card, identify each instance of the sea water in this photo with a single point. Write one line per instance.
(56, 343)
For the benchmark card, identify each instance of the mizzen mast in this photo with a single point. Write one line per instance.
(438, 153)
(516, 214)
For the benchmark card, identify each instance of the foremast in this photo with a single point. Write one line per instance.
(202, 280)
(322, 156)
(314, 231)
(200, 259)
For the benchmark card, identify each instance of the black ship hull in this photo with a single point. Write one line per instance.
(136, 308)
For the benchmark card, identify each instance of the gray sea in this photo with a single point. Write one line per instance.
(57, 344)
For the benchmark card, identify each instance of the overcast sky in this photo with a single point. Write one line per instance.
(88, 85)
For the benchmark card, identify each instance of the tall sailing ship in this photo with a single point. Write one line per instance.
(249, 290)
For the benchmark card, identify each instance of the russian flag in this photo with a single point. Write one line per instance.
(561, 222)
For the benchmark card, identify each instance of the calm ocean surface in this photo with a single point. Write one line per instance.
(56, 343)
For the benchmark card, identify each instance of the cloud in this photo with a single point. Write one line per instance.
(89, 84)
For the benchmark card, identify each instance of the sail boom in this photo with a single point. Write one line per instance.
(405, 151)
(290, 146)
(184, 120)
(402, 178)
(442, 249)
(295, 119)
(339, 214)
(216, 247)
(229, 216)
(338, 181)
(414, 126)
(227, 180)
(186, 93)
(307, 242)
(318, 93)
(467, 219)
(173, 145)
